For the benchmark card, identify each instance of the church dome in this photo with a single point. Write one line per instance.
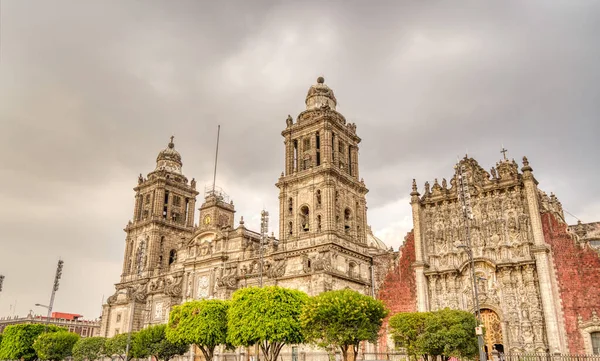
(320, 95)
(169, 159)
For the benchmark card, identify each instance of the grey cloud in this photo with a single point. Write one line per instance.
(91, 91)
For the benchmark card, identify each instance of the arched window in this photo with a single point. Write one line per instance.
(172, 256)
(318, 198)
(319, 223)
(304, 216)
(291, 228)
(595, 343)
(290, 205)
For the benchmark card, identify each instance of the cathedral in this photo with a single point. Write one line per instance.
(324, 242)
(537, 279)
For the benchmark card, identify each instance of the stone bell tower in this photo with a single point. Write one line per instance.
(323, 228)
(320, 191)
(163, 215)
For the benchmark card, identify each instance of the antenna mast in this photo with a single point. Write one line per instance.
(216, 159)
(264, 232)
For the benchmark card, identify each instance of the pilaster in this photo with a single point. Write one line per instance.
(549, 302)
(191, 212)
(419, 265)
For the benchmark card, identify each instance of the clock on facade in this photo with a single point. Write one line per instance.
(207, 220)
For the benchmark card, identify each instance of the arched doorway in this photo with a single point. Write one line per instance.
(493, 332)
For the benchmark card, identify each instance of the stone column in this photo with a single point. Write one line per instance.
(159, 201)
(543, 264)
(138, 204)
(282, 212)
(190, 211)
(326, 147)
(355, 162)
(420, 264)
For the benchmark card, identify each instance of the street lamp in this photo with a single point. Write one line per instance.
(478, 330)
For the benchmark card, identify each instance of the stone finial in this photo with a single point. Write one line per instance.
(193, 183)
(444, 183)
(526, 166)
(171, 144)
(320, 80)
(289, 121)
(493, 172)
(414, 185)
(242, 221)
(427, 191)
(140, 179)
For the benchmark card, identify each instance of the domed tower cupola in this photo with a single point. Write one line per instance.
(169, 159)
(320, 95)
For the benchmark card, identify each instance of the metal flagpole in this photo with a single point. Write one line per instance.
(264, 231)
(216, 159)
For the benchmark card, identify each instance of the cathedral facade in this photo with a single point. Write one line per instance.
(324, 240)
(537, 279)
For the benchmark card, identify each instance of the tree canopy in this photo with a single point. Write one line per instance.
(17, 340)
(407, 329)
(444, 333)
(89, 349)
(116, 346)
(55, 346)
(152, 341)
(202, 323)
(342, 319)
(268, 316)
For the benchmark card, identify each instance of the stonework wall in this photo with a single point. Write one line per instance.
(578, 273)
(399, 290)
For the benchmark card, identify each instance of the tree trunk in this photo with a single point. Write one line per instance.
(271, 350)
(344, 352)
(355, 348)
(208, 352)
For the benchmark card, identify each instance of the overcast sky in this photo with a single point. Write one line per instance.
(91, 91)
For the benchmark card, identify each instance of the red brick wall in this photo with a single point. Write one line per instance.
(398, 290)
(578, 273)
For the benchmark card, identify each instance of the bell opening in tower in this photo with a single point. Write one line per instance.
(304, 213)
(295, 160)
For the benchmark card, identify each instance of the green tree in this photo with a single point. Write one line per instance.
(406, 330)
(17, 340)
(443, 333)
(116, 346)
(268, 316)
(152, 341)
(89, 349)
(450, 333)
(202, 323)
(55, 346)
(342, 319)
